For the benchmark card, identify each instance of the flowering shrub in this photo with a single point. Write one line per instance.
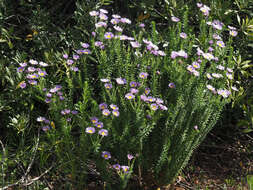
(128, 92)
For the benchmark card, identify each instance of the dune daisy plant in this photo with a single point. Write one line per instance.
(123, 91)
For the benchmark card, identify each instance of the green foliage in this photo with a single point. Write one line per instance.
(159, 109)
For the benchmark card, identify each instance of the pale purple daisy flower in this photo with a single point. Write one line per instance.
(151, 99)
(182, 53)
(229, 76)
(115, 113)
(217, 24)
(205, 10)
(221, 44)
(116, 166)
(100, 24)
(233, 33)
(133, 84)
(33, 62)
(85, 45)
(20, 69)
(143, 97)
(116, 16)
(108, 86)
(76, 57)
(234, 88)
(209, 76)
(135, 44)
(147, 91)
(130, 38)
(125, 169)
(163, 107)
(199, 5)
(22, 84)
(98, 44)
(220, 67)
(125, 20)
(40, 119)
(103, 11)
(23, 64)
(65, 56)
(115, 21)
(143, 75)
(129, 96)
(46, 121)
(183, 35)
(117, 28)
(31, 69)
(54, 90)
(90, 130)
(114, 107)
(103, 132)
(38, 69)
(146, 41)
(43, 64)
(94, 13)
(199, 51)
(230, 70)
(134, 90)
(99, 124)
(161, 53)
(130, 156)
(42, 73)
(154, 106)
(196, 65)
(217, 75)
(175, 19)
(106, 155)
(210, 87)
(173, 54)
(231, 27)
(190, 68)
(120, 81)
(210, 49)
(108, 35)
(70, 61)
(102, 106)
(106, 112)
(45, 128)
(208, 56)
(152, 46)
(172, 85)
(48, 100)
(74, 112)
(199, 61)
(49, 95)
(196, 73)
(102, 16)
(33, 82)
(159, 101)
(104, 80)
(94, 120)
(32, 76)
(141, 25)
(216, 37)
(224, 93)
